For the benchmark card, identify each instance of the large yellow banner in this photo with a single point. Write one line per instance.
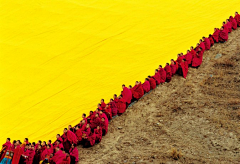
(60, 57)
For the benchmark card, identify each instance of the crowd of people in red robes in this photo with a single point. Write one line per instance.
(91, 129)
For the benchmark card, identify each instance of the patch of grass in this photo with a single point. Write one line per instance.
(224, 63)
(175, 154)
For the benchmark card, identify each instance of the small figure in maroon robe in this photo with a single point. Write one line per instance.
(173, 67)
(152, 82)
(223, 34)
(31, 155)
(229, 25)
(234, 23)
(25, 155)
(137, 90)
(207, 43)
(98, 133)
(121, 105)
(126, 94)
(163, 74)
(197, 59)
(113, 106)
(95, 122)
(68, 138)
(70, 128)
(74, 154)
(215, 35)
(211, 39)
(168, 71)
(146, 86)
(237, 18)
(104, 126)
(103, 105)
(157, 77)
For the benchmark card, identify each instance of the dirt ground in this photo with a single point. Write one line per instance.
(193, 120)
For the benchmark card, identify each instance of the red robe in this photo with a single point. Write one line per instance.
(30, 157)
(179, 59)
(127, 95)
(137, 91)
(237, 18)
(207, 43)
(168, 71)
(103, 115)
(6, 146)
(197, 59)
(71, 137)
(216, 35)
(114, 108)
(74, 153)
(17, 154)
(66, 160)
(152, 83)
(229, 26)
(45, 153)
(87, 131)
(104, 126)
(121, 105)
(163, 75)
(211, 40)
(202, 45)
(26, 153)
(157, 78)
(189, 57)
(223, 35)
(103, 105)
(234, 23)
(173, 69)
(98, 133)
(184, 66)
(95, 122)
(58, 157)
(146, 86)
(79, 135)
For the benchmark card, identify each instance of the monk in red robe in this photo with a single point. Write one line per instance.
(103, 105)
(184, 68)
(44, 145)
(163, 74)
(126, 94)
(108, 112)
(146, 86)
(90, 117)
(216, 35)
(5, 147)
(229, 25)
(137, 90)
(68, 138)
(202, 45)
(157, 77)
(113, 106)
(237, 18)
(121, 105)
(84, 117)
(37, 156)
(46, 152)
(31, 155)
(179, 59)
(25, 154)
(74, 154)
(168, 71)
(211, 40)
(173, 67)
(95, 122)
(223, 35)
(234, 23)
(78, 133)
(207, 43)
(104, 126)
(188, 57)
(58, 156)
(87, 130)
(17, 153)
(67, 159)
(58, 144)
(152, 82)
(98, 133)
(197, 59)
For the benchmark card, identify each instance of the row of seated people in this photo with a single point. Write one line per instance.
(91, 129)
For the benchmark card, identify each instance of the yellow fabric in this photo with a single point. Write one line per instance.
(60, 57)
